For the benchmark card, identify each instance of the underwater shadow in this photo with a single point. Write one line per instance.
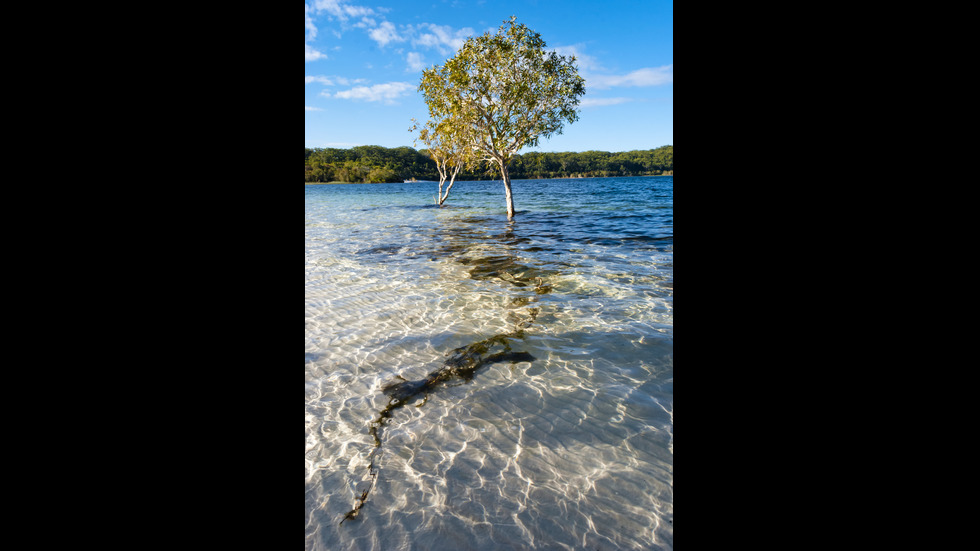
(464, 362)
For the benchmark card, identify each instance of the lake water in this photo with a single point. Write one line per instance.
(539, 354)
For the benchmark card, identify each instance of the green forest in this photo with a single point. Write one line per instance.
(376, 164)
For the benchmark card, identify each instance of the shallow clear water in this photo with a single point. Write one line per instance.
(564, 439)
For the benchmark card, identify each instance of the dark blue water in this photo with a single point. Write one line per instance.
(561, 436)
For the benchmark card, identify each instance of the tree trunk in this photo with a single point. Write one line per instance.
(441, 166)
(452, 180)
(507, 192)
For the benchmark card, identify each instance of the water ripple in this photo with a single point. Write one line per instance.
(570, 450)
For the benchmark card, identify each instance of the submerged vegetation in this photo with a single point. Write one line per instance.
(463, 362)
(376, 164)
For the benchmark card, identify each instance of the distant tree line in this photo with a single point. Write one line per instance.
(372, 163)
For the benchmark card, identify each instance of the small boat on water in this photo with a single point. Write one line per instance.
(413, 180)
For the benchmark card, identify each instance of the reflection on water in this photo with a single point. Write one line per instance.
(537, 355)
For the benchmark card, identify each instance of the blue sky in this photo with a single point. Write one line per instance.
(364, 60)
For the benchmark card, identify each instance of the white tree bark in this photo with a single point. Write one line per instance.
(507, 192)
(452, 180)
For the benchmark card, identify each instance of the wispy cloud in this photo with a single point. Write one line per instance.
(308, 108)
(597, 102)
(310, 27)
(313, 55)
(597, 77)
(583, 61)
(441, 37)
(386, 93)
(415, 62)
(366, 23)
(334, 10)
(385, 33)
(648, 76)
(330, 81)
(340, 10)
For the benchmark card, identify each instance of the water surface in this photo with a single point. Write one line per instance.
(558, 433)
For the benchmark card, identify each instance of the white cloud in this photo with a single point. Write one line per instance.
(596, 102)
(442, 37)
(648, 76)
(330, 81)
(415, 62)
(379, 92)
(428, 35)
(340, 10)
(308, 108)
(590, 68)
(385, 33)
(313, 55)
(366, 23)
(310, 27)
(582, 61)
(329, 6)
(321, 80)
(336, 10)
(343, 81)
(357, 11)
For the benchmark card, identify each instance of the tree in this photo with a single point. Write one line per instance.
(504, 91)
(381, 174)
(446, 145)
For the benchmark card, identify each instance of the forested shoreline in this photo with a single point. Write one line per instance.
(376, 164)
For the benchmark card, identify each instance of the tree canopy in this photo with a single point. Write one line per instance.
(447, 149)
(501, 92)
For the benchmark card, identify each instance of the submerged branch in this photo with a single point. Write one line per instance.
(462, 363)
